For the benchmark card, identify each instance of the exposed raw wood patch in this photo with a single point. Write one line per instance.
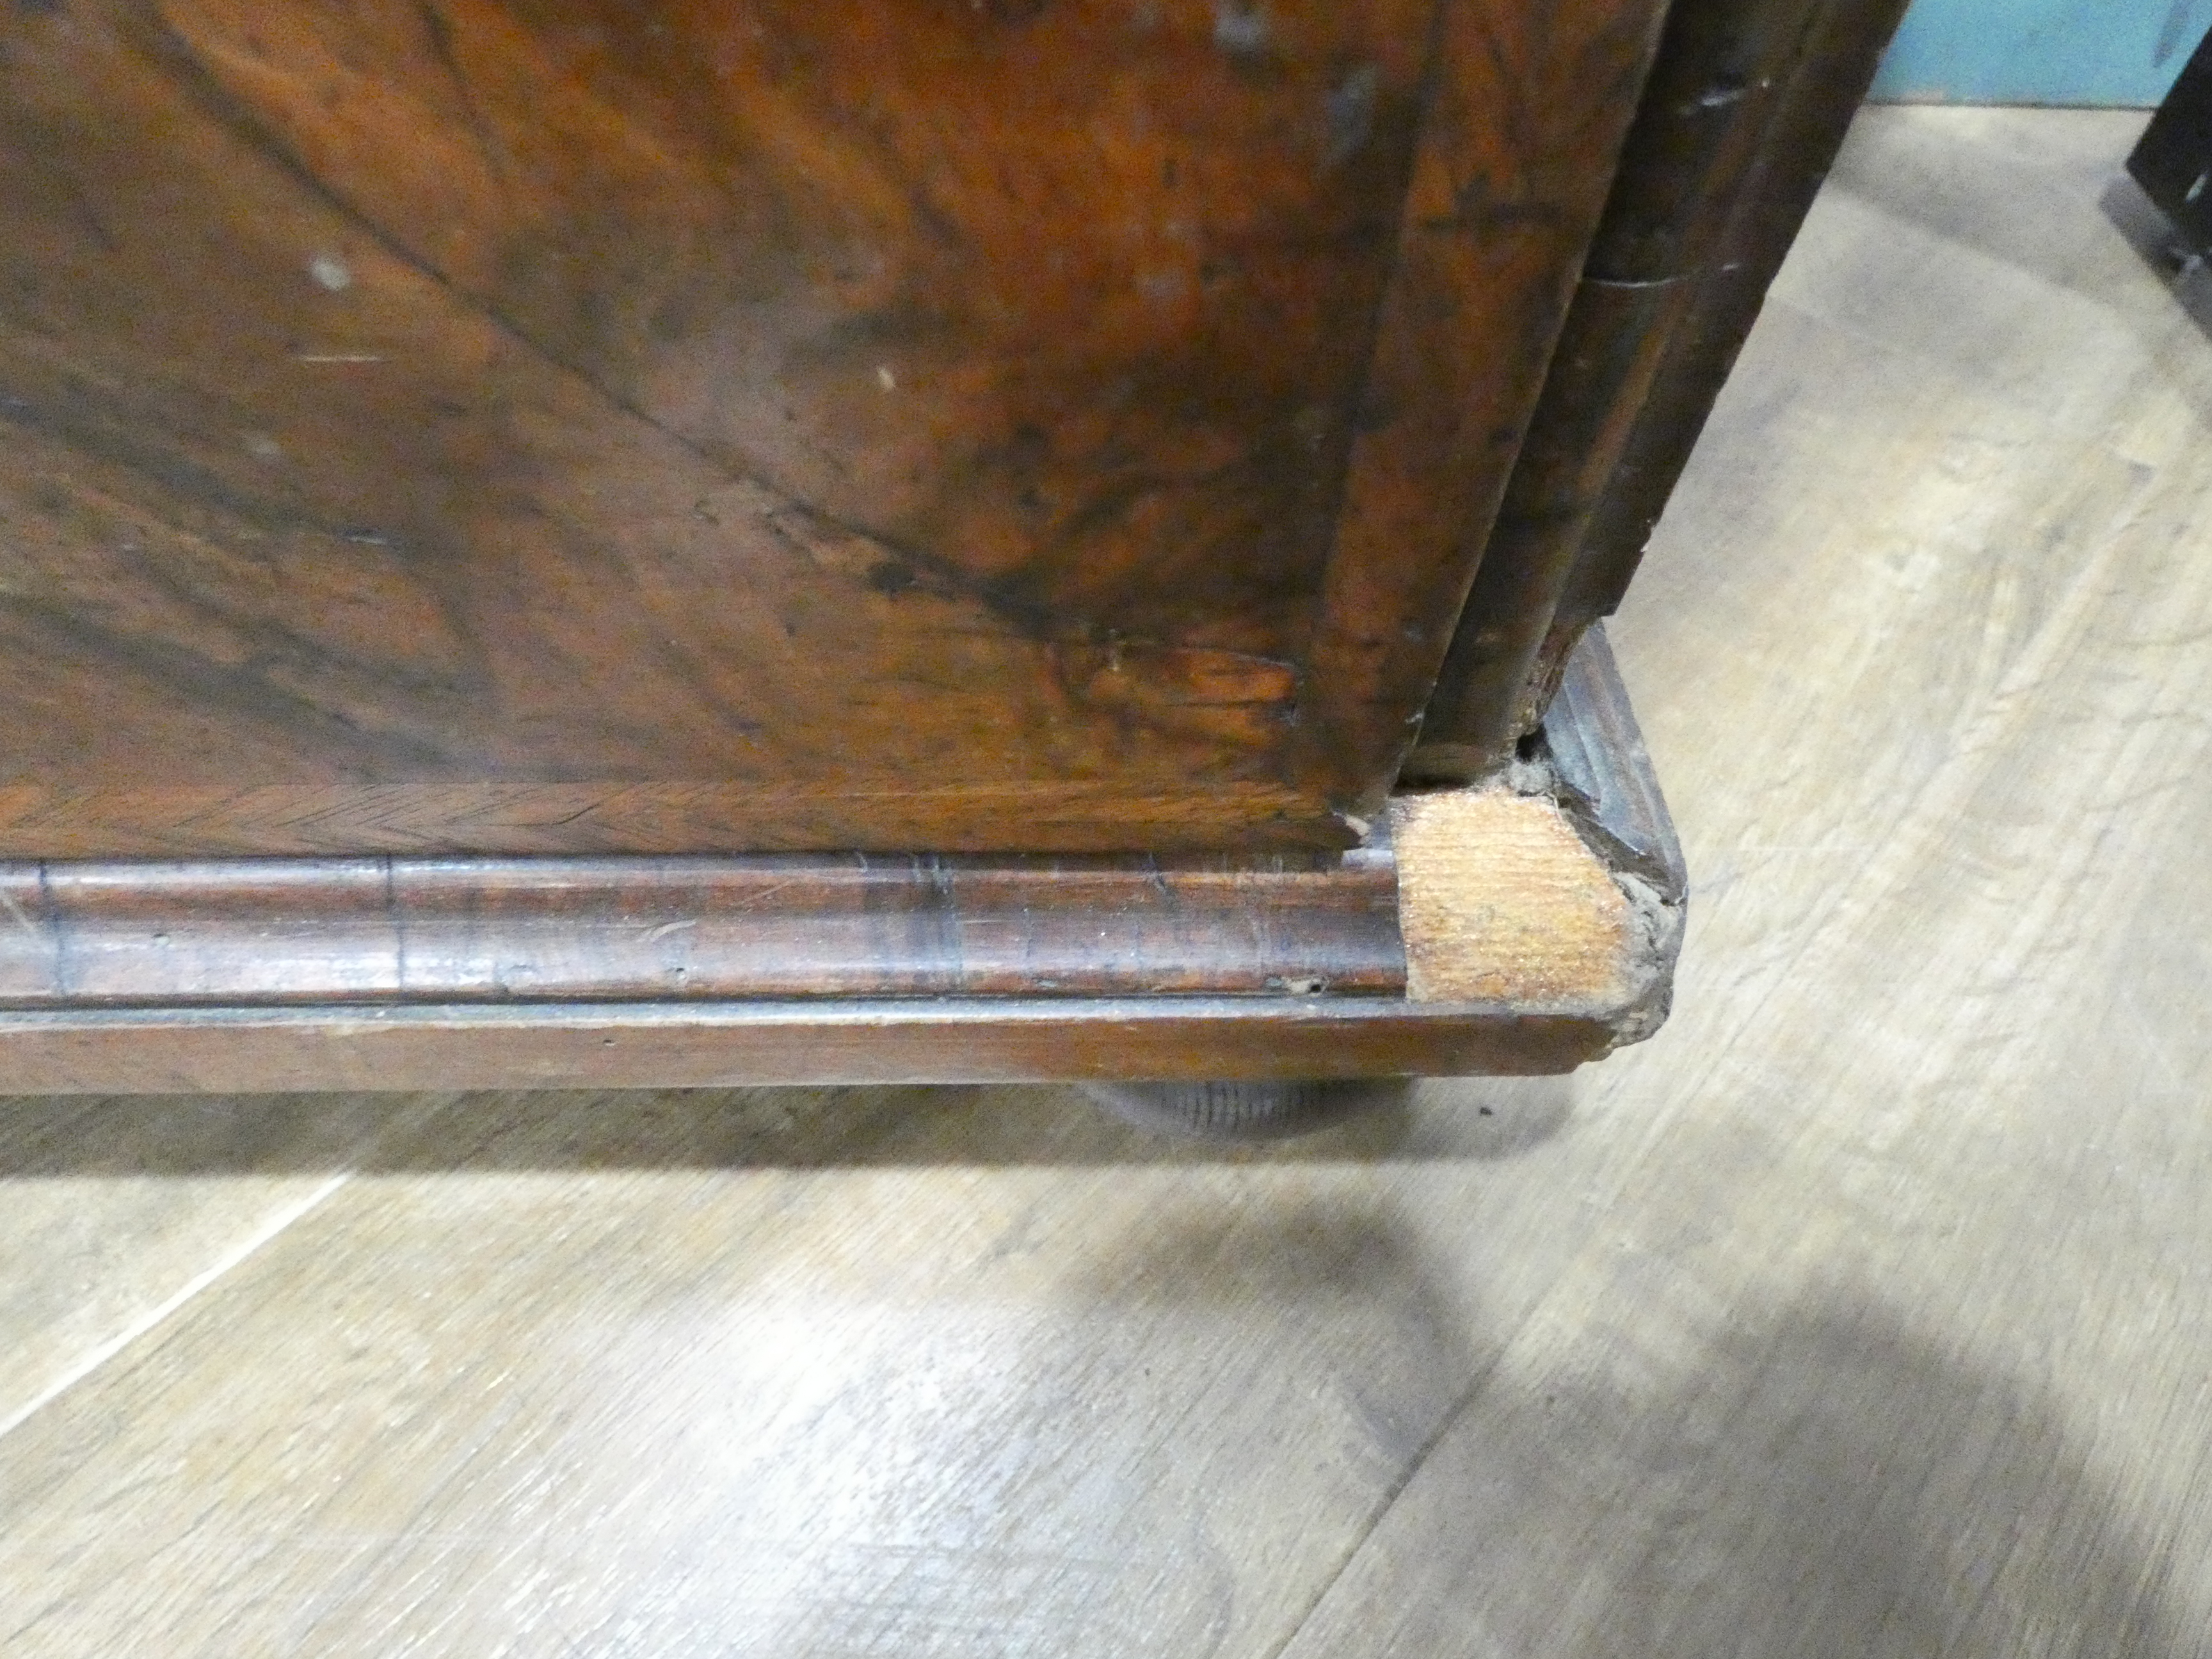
(1500, 900)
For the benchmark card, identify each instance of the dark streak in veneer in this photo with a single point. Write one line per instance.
(792, 423)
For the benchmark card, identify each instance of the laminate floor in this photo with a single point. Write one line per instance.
(1867, 1310)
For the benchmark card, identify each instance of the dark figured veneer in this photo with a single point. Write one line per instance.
(573, 541)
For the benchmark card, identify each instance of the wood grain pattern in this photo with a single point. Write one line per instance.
(1801, 143)
(216, 821)
(1530, 107)
(1557, 884)
(702, 428)
(1514, 906)
(1900, 1345)
(244, 550)
(723, 1045)
(276, 930)
(1862, 1315)
(675, 1310)
(857, 968)
(1746, 106)
(1600, 771)
(78, 1182)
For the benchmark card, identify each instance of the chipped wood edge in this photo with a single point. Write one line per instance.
(1557, 885)
(1541, 914)
(1502, 897)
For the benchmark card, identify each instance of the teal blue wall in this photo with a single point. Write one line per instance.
(2042, 52)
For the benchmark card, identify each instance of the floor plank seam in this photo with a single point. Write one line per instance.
(1391, 1494)
(155, 1316)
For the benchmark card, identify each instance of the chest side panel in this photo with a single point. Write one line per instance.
(565, 425)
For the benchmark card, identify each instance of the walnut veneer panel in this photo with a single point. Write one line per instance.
(574, 427)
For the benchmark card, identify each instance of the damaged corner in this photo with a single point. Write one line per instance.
(1554, 881)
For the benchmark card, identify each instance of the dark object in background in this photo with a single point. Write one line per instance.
(2173, 162)
(1246, 1111)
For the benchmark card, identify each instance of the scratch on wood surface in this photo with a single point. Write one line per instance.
(18, 915)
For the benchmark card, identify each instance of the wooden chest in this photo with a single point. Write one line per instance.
(506, 444)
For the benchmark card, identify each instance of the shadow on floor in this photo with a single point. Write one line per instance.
(1819, 1481)
(1828, 1484)
(1449, 1119)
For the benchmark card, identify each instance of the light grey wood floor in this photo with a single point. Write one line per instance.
(1866, 1311)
